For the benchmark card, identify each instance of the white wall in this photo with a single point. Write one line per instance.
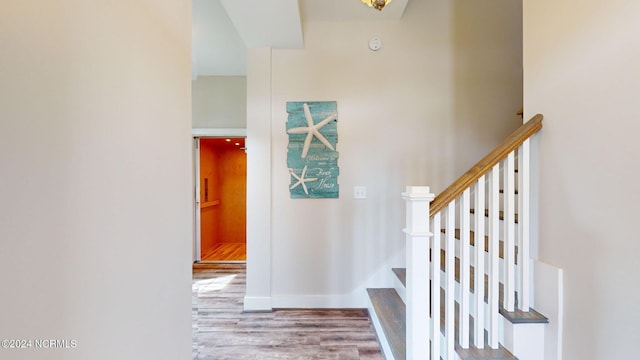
(95, 212)
(219, 102)
(581, 71)
(442, 92)
(258, 144)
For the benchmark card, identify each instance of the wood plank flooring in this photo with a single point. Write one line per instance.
(226, 252)
(221, 330)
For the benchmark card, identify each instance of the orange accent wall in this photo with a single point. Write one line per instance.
(233, 190)
(209, 196)
(223, 201)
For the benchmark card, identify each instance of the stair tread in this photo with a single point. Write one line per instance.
(521, 317)
(500, 216)
(473, 353)
(391, 312)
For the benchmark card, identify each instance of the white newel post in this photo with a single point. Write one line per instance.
(417, 233)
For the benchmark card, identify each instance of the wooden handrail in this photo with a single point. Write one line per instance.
(483, 166)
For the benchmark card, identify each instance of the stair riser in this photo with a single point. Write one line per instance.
(524, 340)
(400, 289)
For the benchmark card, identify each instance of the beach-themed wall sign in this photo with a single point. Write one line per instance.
(312, 158)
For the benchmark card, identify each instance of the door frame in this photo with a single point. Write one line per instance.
(197, 134)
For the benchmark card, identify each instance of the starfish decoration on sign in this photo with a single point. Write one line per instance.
(312, 130)
(301, 180)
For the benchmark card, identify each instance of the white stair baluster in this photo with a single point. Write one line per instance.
(494, 255)
(479, 203)
(465, 264)
(450, 276)
(436, 247)
(509, 233)
(524, 163)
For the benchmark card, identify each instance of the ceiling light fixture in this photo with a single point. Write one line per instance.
(377, 4)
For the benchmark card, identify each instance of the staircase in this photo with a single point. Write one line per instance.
(466, 290)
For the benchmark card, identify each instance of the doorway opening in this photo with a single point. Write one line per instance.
(221, 187)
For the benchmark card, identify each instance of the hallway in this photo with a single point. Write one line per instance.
(222, 331)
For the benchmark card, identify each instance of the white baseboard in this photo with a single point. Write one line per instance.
(354, 300)
(257, 303)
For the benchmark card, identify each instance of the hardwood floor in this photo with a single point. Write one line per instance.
(226, 252)
(221, 330)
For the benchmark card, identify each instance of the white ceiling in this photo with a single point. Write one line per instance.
(217, 48)
(223, 29)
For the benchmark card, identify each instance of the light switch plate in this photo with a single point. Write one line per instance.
(359, 192)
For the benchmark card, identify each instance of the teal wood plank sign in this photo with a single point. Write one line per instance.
(312, 158)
